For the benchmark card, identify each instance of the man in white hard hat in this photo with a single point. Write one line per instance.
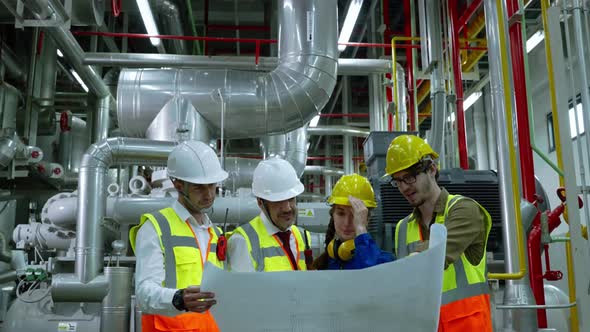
(173, 244)
(271, 241)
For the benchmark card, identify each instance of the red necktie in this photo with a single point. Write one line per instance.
(286, 239)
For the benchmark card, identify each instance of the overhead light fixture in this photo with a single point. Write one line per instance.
(314, 121)
(59, 53)
(471, 100)
(79, 79)
(354, 8)
(148, 21)
(535, 39)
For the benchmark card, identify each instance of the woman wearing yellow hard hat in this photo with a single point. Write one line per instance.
(348, 244)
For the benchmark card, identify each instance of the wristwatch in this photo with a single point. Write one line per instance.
(178, 300)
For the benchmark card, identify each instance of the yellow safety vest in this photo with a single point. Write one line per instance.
(461, 279)
(183, 262)
(266, 251)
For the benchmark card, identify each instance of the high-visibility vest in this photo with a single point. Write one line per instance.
(465, 299)
(266, 250)
(183, 265)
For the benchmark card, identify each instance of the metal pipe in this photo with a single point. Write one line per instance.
(257, 104)
(13, 66)
(338, 130)
(322, 170)
(92, 200)
(70, 48)
(544, 306)
(291, 146)
(171, 18)
(346, 66)
(115, 313)
(517, 290)
(100, 125)
(401, 110)
(178, 121)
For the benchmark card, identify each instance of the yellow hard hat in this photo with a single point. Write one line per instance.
(405, 151)
(356, 186)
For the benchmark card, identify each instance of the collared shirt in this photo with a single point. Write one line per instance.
(238, 255)
(466, 229)
(152, 297)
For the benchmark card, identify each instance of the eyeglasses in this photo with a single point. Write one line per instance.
(408, 178)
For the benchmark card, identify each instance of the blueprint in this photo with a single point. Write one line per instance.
(399, 296)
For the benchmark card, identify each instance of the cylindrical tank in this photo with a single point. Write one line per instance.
(116, 305)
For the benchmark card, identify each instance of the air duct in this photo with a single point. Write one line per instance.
(291, 146)
(86, 284)
(178, 121)
(257, 104)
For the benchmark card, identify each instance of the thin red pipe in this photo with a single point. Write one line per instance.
(142, 35)
(458, 78)
(468, 13)
(409, 68)
(347, 115)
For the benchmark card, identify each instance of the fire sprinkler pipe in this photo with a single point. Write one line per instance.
(458, 79)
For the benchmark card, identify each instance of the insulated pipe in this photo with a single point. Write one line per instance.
(139, 185)
(322, 170)
(178, 121)
(291, 146)
(517, 289)
(91, 205)
(346, 66)
(100, 126)
(338, 130)
(241, 172)
(258, 104)
(401, 110)
(171, 20)
(13, 66)
(69, 47)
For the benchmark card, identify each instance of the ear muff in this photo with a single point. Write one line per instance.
(341, 250)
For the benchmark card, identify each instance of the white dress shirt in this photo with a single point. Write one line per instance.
(151, 296)
(238, 256)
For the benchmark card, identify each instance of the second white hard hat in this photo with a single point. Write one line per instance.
(195, 162)
(275, 180)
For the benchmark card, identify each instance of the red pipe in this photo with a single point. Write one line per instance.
(409, 68)
(458, 78)
(142, 35)
(468, 13)
(347, 115)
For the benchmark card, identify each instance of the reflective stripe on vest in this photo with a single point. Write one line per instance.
(259, 253)
(455, 272)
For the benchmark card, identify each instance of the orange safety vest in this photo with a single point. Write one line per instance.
(465, 299)
(183, 264)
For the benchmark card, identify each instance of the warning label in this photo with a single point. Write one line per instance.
(306, 213)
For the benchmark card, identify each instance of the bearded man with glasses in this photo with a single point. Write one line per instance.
(411, 164)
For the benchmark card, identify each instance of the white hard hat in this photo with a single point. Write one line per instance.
(275, 180)
(195, 162)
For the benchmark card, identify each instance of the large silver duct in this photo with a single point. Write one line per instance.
(86, 284)
(346, 66)
(178, 121)
(171, 21)
(517, 292)
(70, 48)
(257, 104)
(291, 146)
